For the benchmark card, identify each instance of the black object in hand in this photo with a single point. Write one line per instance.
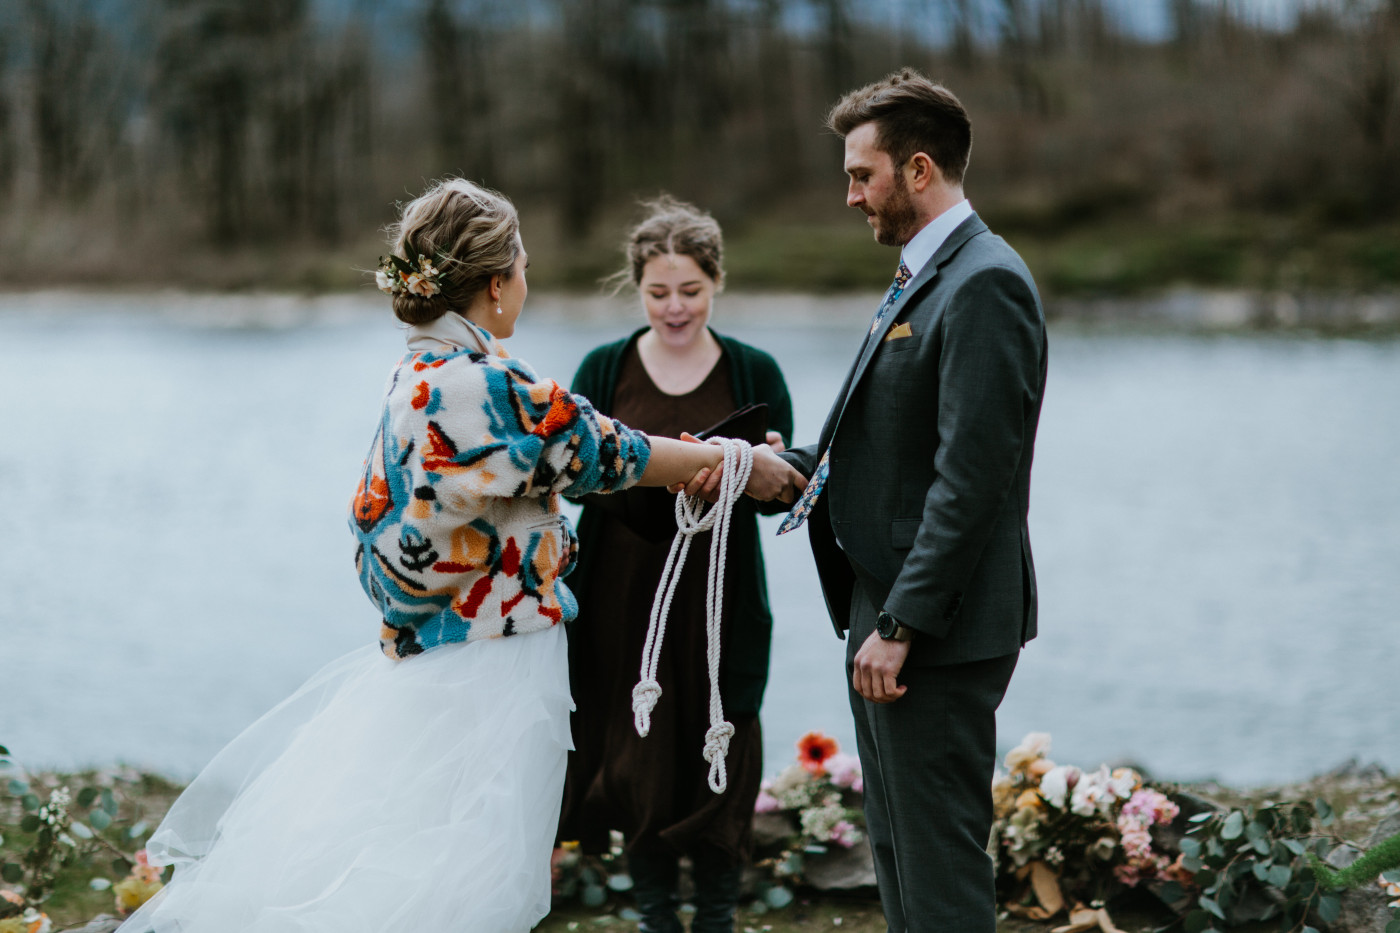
(749, 423)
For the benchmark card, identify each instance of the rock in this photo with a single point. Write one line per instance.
(771, 829)
(841, 869)
(1388, 826)
(1343, 855)
(1364, 910)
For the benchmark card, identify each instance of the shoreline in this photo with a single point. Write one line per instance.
(1180, 310)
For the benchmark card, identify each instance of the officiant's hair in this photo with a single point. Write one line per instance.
(672, 227)
(469, 232)
(911, 114)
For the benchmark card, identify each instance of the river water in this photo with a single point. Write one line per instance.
(1216, 522)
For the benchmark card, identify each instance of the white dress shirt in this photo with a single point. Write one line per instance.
(918, 251)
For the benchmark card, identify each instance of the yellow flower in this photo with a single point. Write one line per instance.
(13, 925)
(1029, 800)
(1003, 795)
(132, 892)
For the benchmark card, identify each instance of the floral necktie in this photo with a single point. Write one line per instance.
(803, 507)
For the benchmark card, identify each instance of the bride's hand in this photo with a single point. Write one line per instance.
(698, 481)
(775, 441)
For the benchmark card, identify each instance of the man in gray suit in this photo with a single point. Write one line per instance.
(915, 498)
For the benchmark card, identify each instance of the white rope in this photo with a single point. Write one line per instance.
(691, 520)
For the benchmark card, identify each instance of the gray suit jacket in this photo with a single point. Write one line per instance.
(931, 439)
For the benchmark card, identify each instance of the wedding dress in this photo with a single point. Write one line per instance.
(380, 797)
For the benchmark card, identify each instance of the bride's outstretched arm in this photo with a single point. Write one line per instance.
(674, 462)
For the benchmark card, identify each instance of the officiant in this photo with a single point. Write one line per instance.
(674, 375)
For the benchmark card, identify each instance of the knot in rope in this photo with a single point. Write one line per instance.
(691, 520)
(644, 697)
(716, 750)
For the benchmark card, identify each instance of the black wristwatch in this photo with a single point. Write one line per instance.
(890, 629)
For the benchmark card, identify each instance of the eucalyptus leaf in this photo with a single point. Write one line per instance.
(18, 787)
(1261, 871)
(1200, 817)
(99, 884)
(4, 750)
(594, 895)
(1255, 830)
(1280, 875)
(1294, 846)
(1234, 826)
(630, 914)
(109, 802)
(1211, 906)
(30, 823)
(138, 830)
(1214, 848)
(1190, 847)
(1392, 876)
(778, 897)
(1196, 921)
(1309, 930)
(30, 802)
(80, 830)
(1171, 892)
(1324, 811)
(12, 873)
(1393, 926)
(1260, 845)
(1191, 863)
(620, 882)
(1329, 908)
(87, 796)
(99, 820)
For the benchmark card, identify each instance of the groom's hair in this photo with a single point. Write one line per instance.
(911, 114)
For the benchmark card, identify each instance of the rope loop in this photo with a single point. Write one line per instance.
(692, 519)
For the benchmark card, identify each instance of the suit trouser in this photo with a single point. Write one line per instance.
(927, 761)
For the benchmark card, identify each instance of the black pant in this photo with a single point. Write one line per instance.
(927, 761)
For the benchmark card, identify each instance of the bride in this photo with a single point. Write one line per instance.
(416, 785)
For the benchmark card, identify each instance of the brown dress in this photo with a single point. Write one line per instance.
(653, 790)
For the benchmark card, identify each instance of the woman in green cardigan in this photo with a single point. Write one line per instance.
(673, 375)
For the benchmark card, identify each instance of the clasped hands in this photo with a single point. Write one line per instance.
(771, 478)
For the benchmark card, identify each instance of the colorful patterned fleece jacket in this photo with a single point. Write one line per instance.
(457, 513)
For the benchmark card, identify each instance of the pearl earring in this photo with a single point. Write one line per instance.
(498, 310)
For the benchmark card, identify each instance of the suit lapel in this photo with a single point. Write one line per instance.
(965, 231)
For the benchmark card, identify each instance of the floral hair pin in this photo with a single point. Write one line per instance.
(397, 275)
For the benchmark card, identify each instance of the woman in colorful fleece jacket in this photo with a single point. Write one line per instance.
(421, 791)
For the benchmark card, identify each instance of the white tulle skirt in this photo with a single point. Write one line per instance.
(420, 796)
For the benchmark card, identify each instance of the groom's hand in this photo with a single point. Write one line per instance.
(772, 477)
(877, 667)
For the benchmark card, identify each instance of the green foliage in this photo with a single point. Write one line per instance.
(63, 832)
(1382, 857)
(1252, 865)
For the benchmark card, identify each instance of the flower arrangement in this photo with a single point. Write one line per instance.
(1062, 831)
(22, 919)
(819, 795)
(138, 887)
(397, 275)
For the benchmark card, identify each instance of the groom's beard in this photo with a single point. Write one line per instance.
(898, 219)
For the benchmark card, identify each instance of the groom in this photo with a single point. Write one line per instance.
(915, 502)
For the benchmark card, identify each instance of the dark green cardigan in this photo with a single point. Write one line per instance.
(754, 377)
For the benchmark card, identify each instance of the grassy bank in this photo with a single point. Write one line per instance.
(828, 252)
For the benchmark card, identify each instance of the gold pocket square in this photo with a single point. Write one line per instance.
(898, 331)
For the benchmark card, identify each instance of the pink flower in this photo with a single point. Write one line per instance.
(845, 834)
(845, 771)
(766, 803)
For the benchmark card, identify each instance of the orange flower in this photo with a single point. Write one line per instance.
(813, 749)
(1029, 800)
